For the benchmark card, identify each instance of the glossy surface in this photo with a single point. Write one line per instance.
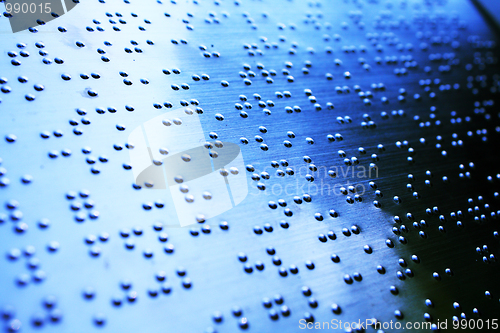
(369, 135)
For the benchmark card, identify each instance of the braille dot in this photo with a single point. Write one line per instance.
(398, 314)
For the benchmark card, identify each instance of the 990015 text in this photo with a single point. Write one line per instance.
(26, 8)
